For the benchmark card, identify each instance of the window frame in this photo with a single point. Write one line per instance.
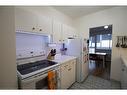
(109, 41)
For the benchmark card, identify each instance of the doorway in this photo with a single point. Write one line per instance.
(100, 48)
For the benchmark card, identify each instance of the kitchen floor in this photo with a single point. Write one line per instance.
(96, 69)
(94, 82)
(99, 78)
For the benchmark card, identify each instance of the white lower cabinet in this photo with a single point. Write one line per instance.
(67, 74)
(124, 77)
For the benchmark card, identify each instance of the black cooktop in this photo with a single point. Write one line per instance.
(34, 66)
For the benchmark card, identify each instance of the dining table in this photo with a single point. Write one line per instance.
(98, 56)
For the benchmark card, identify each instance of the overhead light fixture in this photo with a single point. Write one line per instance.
(106, 27)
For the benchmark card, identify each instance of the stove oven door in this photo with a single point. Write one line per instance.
(39, 81)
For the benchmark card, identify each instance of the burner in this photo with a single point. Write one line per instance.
(34, 66)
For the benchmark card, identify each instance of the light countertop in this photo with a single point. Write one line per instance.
(63, 58)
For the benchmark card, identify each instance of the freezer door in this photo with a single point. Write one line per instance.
(85, 60)
(84, 45)
(74, 47)
(84, 67)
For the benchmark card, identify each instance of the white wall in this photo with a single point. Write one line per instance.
(116, 16)
(8, 79)
(49, 12)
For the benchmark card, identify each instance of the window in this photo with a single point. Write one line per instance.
(100, 39)
(92, 41)
(92, 44)
(103, 41)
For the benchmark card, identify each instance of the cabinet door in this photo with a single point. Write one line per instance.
(74, 33)
(71, 71)
(64, 76)
(124, 77)
(44, 24)
(25, 20)
(68, 74)
(65, 32)
(68, 32)
(57, 35)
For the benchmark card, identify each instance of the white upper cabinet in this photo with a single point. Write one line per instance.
(57, 32)
(65, 32)
(25, 20)
(62, 32)
(31, 22)
(74, 32)
(44, 24)
(68, 32)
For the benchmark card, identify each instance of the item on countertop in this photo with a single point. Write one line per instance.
(49, 56)
(52, 54)
(63, 49)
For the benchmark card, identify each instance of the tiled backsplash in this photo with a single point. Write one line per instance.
(34, 47)
(29, 45)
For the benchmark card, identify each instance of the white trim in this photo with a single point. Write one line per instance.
(33, 33)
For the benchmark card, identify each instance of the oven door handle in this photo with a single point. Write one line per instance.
(35, 78)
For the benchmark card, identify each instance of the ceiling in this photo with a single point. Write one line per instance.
(79, 11)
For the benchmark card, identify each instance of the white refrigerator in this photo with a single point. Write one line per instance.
(79, 48)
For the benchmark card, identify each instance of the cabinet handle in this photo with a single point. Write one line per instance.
(122, 69)
(69, 69)
(40, 30)
(65, 66)
(58, 79)
(33, 28)
(60, 40)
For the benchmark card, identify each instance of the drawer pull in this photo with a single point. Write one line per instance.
(122, 69)
(69, 69)
(33, 28)
(40, 30)
(65, 66)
